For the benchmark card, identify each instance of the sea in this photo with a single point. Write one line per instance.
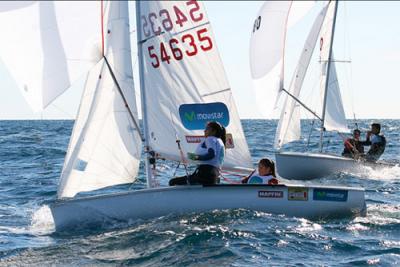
(31, 159)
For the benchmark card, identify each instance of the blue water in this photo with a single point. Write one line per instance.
(31, 157)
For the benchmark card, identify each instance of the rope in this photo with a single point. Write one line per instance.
(178, 142)
(237, 175)
(229, 180)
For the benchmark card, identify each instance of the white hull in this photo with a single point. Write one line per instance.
(299, 201)
(307, 166)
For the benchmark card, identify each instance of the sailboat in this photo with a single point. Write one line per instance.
(270, 74)
(183, 85)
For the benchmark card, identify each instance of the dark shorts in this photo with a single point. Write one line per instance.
(204, 174)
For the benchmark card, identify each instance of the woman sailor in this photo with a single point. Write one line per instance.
(209, 154)
(265, 175)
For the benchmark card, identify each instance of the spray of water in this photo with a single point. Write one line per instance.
(42, 222)
(387, 173)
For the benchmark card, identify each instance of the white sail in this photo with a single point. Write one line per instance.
(335, 119)
(267, 46)
(288, 129)
(105, 146)
(47, 45)
(184, 81)
(266, 53)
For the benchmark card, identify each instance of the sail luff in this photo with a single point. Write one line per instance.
(327, 78)
(147, 149)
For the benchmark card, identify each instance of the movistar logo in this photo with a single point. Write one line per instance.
(190, 116)
(196, 116)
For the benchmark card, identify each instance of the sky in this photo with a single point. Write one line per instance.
(367, 34)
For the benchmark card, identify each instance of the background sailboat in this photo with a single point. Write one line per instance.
(183, 85)
(296, 165)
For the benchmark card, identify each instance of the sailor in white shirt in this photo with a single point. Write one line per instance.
(209, 155)
(265, 174)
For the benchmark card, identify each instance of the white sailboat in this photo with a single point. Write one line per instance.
(183, 85)
(299, 165)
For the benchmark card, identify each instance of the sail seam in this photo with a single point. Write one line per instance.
(216, 92)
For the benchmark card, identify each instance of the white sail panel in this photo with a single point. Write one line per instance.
(267, 45)
(50, 45)
(185, 81)
(105, 146)
(266, 52)
(335, 119)
(298, 10)
(288, 129)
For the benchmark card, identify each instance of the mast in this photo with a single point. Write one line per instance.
(147, 150)
(327, 79)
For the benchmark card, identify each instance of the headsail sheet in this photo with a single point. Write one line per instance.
(185, 81)
(105, 146)
(335, 119)
(288, 129)
(47, 45)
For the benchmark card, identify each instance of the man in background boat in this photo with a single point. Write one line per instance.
(353, 147)
(376, 141)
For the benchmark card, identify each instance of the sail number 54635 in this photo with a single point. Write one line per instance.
(205, 44)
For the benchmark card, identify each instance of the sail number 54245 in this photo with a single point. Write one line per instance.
(203, 41)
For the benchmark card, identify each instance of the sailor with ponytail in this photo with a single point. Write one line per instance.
(209, 155)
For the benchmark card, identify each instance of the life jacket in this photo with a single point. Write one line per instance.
(259, 179)
(378, 148)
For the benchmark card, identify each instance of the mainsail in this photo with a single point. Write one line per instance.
(184, 81)
(288, 129)
(47, 45)
(105, 145)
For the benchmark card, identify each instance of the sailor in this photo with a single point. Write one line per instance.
(265, 174)
(353, 147)
(209, 154)
(376, 141)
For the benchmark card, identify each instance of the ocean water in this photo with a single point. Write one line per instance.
(31, 158)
